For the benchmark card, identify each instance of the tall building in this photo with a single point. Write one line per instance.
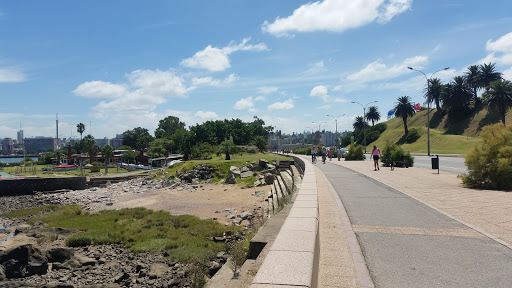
(7, 145)
(19, 137)
(40, 144)
(102, 142)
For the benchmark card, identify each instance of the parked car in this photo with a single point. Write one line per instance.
(343, 152)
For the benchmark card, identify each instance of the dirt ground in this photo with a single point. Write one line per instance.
(207, 201)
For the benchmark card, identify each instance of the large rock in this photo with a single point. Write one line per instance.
(263, 163)
(231, 179)
(269, 178)
(23, 261)
(271, 168)
(235, 171)
(245, 169)
(246, 174)
(59, 255)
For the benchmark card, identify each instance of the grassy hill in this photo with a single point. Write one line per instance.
(448, 138)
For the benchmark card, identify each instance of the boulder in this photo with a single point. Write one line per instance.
(245, 169)
(156, 270)
(23, 261)
(246, 174)
(271, 169)
(263, 163)
(231, 179)
(269, 178)
(235, 171)
(59, 255)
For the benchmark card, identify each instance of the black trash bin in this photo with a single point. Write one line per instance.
(435, 162)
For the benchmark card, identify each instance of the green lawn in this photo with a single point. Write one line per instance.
(36, 170)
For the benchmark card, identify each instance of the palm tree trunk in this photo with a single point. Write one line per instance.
(405, 125)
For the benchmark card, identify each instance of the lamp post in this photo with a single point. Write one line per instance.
(364, 119)
(428, 102)
(336, 120)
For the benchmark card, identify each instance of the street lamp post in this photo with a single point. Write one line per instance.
(428, 102)
(364, 119)
(319, 124)
(336, 120)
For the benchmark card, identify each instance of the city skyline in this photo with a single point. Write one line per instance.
(115, 66)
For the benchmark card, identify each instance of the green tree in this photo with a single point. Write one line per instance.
(435, 88)
(158, 147)
(498, 97)
(129, 156)
(137, 137)
(80, 128)
(227, 147)
(488, 74)
(373, 114)
(404, 109)
(359, 123)
(457, 97)
(167, 127)
(260, 142)
(472, 77)
(108, 153)
(89, 145)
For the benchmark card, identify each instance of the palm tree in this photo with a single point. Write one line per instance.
(89, 145)
(107, 152)
(80, 128)
(489, 74)
(457, 96)
(373, 115)
(227, 147)
(404, 109)
(499, 97)
(472, 78)
(434, 89)
(359, 123)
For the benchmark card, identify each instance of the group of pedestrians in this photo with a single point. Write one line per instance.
(324, 152)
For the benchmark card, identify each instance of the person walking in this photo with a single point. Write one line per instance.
(339, 153)
(324, 154)
(313, 154)
(376, 155)
(330, 153)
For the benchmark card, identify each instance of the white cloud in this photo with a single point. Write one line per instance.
(259, 98)
(315, 68)
(209, 81)
(143, 92)
(380, 71)
(206, 115)
(11, 75)
(100, 89)
(507, 74)
(321, 92)
(501, 50)
(245, 104)
(336, 16)
(286, 105)
(216, 59)
(267, 90)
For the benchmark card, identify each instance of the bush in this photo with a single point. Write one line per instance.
(202, 151)
(412, 136)
(302, 151)
(355, 153)
(78, 240)
(393, 152)
(372, 136)
(490, 163)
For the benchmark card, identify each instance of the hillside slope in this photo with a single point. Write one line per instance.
(442, 139)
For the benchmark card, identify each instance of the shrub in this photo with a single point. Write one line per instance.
(490, 163)
(372, 136)
(412, 136)
(78, 240)
(302, 151)
(203, 151)
(355, 153)
(393, 152)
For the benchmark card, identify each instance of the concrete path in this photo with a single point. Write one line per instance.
(415, 228)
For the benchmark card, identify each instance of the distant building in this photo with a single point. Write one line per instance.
(40, 144)
(19, 137)
(102, 142)
(116, 143)
(7, 145)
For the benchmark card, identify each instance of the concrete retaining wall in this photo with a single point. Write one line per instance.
(292, 260)
(26, 186)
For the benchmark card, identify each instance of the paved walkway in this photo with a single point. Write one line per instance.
(467, 221)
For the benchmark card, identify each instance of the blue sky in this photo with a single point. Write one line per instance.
(117, 65)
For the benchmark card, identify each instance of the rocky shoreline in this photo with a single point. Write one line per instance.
(108, 265)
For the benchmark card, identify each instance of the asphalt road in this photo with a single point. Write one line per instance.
(407, 244)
